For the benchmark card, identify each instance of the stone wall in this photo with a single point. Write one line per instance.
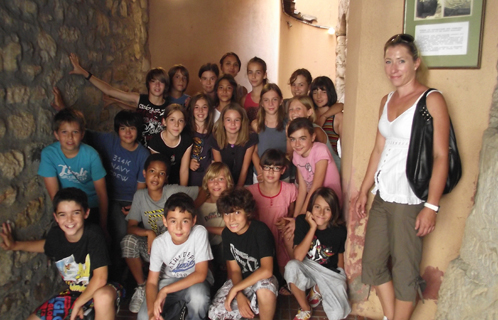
(470, 286)
(341, 48)
(110, 36)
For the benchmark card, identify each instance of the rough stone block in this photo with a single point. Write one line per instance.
(22, 125)
(31, 71)
(2, 125)
(6, 266)
(8, 196)
(18, 95)
(11, 163)
(47, 43)
(9, 56)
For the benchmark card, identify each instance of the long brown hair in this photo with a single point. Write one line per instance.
(332, 200)
(260, 118)
(220, 133)
(209, 122)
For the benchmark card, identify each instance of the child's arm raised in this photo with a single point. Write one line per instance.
(184, 167)
(98, 280)
(10, 244)
(245, 166)
(198, 276)
(102, 85)
(302, 248)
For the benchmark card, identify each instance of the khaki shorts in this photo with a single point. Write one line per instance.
(391, 233)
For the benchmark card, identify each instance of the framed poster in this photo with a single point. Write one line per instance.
(448, 33)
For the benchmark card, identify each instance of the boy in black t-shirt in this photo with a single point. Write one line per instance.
(250, 253)
(80, 256)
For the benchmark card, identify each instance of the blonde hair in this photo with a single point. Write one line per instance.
(308, 103)
(214, 170)
(220, 133)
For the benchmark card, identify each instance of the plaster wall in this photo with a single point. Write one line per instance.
(304, 46)
(468, 94)
(194, 32)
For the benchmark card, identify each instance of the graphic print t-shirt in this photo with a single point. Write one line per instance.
(180, 259)
(151, 115)
(250, 247)
(149, 212)
(79, 172)
(326, 244)
(76, 261)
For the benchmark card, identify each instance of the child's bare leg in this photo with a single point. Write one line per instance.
(104, 303)
(267, 302)
(32, 317)
(135, 265)
(58, 103)
(300, 297)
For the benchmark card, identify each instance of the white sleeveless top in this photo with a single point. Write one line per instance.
(390, 178)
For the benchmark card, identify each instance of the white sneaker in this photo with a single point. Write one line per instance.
(137, 299)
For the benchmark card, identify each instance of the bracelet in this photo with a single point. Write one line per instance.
(432, 207)
(89, 75)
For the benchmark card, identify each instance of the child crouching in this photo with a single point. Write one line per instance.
(250, 253)
(319, 240)
(184, 250)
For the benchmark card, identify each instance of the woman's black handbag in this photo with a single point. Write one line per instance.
(420, 153)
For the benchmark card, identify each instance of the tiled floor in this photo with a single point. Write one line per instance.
(286, 310)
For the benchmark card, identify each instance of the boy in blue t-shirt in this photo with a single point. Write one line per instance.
(70, 163)
(79, 255)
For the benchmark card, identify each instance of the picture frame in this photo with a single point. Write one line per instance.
(448, 33)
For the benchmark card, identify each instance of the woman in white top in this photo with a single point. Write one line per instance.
(398, 219)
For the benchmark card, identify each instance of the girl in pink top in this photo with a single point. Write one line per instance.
(316, 167)
(274, 201)
(256, 73)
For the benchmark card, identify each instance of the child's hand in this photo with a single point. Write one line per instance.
(158, 305)
(310, 220)
(125, 210)
(194, 164)
(77, 312)
(8, 241)
(77, 69)
(243, 304)
(289, 228)
(260, 177)
(151, 235)
(58, 103)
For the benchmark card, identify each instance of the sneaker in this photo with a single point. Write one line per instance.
(137, 299)
(314, 298)
(302, 315)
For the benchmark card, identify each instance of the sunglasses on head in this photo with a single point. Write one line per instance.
(402, 37)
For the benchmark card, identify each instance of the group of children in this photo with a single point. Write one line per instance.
(286, 221)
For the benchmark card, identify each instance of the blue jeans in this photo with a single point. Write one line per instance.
(197, 298)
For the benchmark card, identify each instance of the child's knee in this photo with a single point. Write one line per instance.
(198, 298)
(104, 297)
(265, 295)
